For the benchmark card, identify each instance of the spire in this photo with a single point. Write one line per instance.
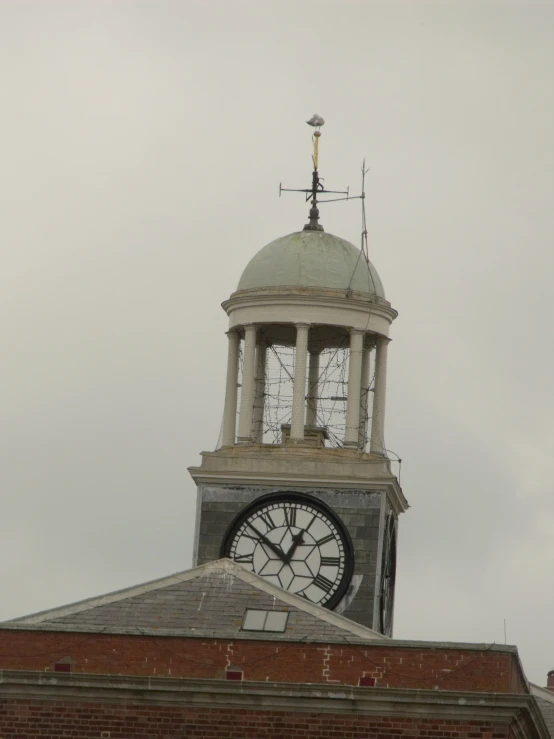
(316, 121)
(317, 188)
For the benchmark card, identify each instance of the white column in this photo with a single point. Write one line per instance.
(354, 385)
(377, 445)
(230, 408)
(299, 384)
(364, 401)
(259, 394)
(313, 389)
(248, 380)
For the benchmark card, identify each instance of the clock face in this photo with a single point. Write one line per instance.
(388, 576)
(295, 542)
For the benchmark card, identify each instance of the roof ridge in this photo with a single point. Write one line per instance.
(97, 600)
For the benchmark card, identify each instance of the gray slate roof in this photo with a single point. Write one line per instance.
(207, 601)
(547, 710)
(545, 702)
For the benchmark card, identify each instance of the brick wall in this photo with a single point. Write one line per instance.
(25, 719)
(422, 667)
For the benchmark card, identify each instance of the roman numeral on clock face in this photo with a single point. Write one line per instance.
(269, 522)
(290, 516)
(330, 561)
(246, 559)
(323, 583)
(325, 539)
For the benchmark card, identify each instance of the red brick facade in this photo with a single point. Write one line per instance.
(392, 666)
(132, 687)
(27, 719)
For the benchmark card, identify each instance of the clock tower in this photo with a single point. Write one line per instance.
(300, 489)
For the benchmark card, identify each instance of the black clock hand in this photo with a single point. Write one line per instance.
(297, 539)
(276, 550)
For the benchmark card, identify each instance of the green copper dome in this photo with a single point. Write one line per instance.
(311, 259)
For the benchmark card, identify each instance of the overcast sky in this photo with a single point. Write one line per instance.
(142, 148)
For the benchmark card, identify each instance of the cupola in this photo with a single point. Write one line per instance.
(308, 335)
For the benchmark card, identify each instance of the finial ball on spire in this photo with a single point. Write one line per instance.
(316, 121)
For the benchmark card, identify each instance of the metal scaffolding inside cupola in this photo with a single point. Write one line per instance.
(326, 395)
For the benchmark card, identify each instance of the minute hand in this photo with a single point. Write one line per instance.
(276, 550)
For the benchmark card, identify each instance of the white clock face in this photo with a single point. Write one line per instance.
(296, 543)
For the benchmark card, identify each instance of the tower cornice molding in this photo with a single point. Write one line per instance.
(262, 465)
(305, 305)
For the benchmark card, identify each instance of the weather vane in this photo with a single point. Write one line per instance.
(317, 188)
(316, 121)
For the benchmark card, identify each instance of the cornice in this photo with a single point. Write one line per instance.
(327, 299)
(242, 477)
(518, 710)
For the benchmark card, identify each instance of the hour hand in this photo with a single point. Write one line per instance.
(274, 548)
(297, 539)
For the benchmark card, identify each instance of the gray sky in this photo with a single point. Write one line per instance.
(142, 148)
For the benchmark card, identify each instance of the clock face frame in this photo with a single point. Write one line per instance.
(388, 576)
(296, 542)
